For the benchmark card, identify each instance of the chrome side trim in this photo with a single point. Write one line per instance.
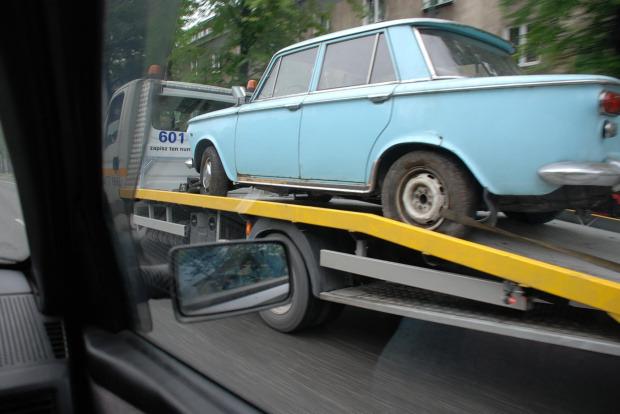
(583, 173)
(364, 85)
(507, 86)
(310, 185)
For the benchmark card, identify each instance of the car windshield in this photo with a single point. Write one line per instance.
(452, 54)
(13, 239)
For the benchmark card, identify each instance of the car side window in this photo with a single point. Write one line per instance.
(291, 75)
(382, 68)
(267, 91)
(349, 63)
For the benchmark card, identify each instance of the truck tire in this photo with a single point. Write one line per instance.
(213, 179)
(540, 217)
(304, 308)
(422, 183)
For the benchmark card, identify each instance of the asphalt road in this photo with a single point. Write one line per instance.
(13, 241)
(367, 362)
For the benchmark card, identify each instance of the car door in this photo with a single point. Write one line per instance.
(267, 137)
(347, 112)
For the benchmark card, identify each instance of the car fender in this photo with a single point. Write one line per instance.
(217, 130)
(227, 162)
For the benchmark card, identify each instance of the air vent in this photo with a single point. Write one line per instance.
(56, 334)
(21, 334)
(38, 402)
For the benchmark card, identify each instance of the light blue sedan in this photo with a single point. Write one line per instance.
(424, 115)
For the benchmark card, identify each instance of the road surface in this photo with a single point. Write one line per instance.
(367, 362)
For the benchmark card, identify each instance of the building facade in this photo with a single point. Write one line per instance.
(483, 14)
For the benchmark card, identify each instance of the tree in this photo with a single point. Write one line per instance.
(578, 36)
(137, 35)
(243, 35)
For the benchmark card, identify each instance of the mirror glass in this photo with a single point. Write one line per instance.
(213, 279)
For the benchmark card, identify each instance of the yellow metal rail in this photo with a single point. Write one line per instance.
(580, 287)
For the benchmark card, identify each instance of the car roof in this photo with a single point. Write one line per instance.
(417, 22)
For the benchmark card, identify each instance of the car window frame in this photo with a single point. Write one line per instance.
(377, 34)
(276, 64)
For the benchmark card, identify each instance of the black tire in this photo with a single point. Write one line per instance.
(304, 308)
(213, 178)
(540, 217)
(421, 183)
(330, 311)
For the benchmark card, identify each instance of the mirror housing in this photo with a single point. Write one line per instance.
(218, 280)
(241, 94)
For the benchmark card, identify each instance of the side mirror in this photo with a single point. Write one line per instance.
(240, 93)
(229, 278)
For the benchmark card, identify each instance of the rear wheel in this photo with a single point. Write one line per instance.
(540, 217)
(213, 179)
(420, 184)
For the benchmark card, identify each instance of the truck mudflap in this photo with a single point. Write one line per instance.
(568, 326)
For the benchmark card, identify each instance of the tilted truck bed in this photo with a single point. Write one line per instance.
(509, 258)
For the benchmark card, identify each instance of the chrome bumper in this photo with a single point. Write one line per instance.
(583, 173)
(189, 163)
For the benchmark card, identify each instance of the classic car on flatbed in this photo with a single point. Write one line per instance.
(423, 115)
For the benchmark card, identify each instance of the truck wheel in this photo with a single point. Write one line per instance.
(213, 179)
(540, 217)
(304, 308)
(422, 183)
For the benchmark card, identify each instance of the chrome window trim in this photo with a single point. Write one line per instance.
(364, 85)
(280, 58)
(427, 57)
(372, 58)
(277, 64)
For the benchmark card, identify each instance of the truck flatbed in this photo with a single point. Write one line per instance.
(505, 257)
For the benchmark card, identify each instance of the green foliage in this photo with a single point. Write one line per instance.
(577, 36)
(244, 34)
(137, 35)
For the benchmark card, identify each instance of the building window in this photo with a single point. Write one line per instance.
(517, 35)
(215, 61)
(429, 4)
(376, 11)
(193, 65)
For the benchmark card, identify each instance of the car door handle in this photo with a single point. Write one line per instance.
(380, 98)
(293, 107)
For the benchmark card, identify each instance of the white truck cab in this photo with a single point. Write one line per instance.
(144, 143)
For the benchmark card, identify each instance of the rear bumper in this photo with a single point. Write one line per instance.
(583, 173)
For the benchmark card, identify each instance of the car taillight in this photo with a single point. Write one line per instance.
(610, 103)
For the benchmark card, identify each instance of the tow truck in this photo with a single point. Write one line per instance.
(557, 283)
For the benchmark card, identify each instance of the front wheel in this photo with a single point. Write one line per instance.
(213, 179)
(420, 184)
(304, 308)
